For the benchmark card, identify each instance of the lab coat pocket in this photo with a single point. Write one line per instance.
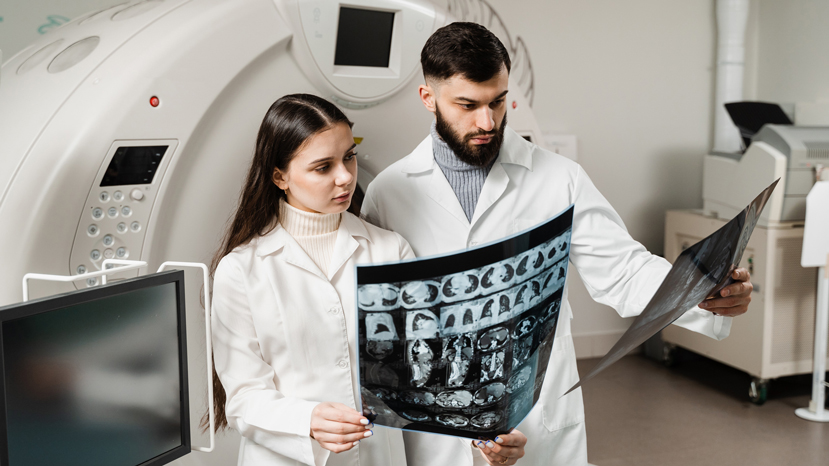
(560, 411)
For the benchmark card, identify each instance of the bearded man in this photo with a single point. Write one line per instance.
(473, 180)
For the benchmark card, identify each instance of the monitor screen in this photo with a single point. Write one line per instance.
(363, 38)
(97, 376)
(133, 165)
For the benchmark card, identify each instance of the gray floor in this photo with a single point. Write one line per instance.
(696, 413)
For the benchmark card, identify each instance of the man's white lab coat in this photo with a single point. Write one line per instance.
(526, 186)
(283, 336)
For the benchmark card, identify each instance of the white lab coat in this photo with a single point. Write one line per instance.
(526, 186)
(284, 340)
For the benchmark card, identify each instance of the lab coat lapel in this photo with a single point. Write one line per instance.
(494, 186)
(292, 252)
(345, 245)
(422, 163)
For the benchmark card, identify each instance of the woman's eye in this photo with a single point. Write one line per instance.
(351, 156)
(321, 168)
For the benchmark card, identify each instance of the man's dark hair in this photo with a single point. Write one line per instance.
(467, 49)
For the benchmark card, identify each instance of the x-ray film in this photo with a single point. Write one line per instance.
(458, 344)
(700, 272)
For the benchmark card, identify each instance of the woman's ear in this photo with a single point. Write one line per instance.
(279, 180)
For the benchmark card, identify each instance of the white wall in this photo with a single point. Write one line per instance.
(633, 81)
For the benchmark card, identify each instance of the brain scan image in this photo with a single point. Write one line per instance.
(521, 351)
(379, 349)
(421, 324)
(420, 294)
(454, 399)
(381, 297)
(420, 359)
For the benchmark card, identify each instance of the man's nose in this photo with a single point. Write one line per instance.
(485, 118)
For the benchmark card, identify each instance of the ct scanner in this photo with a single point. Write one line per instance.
(127, 132)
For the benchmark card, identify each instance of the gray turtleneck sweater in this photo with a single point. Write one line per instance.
(466, 180)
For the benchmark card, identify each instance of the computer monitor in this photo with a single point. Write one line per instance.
(96, 376)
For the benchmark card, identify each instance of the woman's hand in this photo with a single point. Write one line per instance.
(506, 449)
(337, 427)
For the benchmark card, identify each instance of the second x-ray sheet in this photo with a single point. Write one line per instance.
(458, 344)
(701, 271)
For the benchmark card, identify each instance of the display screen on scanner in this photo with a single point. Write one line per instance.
(133, 165)
(363, 38)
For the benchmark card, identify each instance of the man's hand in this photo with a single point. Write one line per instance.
(734, 297)
(337, 427)
(506, 449)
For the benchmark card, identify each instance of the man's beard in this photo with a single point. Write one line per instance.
(479, 155)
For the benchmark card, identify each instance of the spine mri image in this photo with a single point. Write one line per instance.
(459, 344)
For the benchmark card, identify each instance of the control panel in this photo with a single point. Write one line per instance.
(113, 222)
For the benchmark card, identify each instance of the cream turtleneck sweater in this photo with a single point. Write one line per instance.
(316, 233)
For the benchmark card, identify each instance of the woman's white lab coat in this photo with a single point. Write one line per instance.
(284, 340)
(526, 186)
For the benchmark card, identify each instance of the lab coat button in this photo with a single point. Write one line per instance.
(334, 310)
(342, 364)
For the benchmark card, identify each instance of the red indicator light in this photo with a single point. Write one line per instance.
(514, 105)
(154, 101)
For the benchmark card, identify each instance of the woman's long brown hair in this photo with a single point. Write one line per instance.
(288, 124)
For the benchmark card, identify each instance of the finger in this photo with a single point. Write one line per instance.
(737, 289)
(514, 439)
(329, 437)
(337, 447)
(339, 428)
(741, 274)
(338, 412)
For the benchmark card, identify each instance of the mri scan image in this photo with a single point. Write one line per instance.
(458, 344)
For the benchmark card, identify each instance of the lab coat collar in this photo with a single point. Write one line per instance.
(344, 246)
(515, 150)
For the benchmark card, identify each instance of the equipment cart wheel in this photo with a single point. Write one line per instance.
(758, 390)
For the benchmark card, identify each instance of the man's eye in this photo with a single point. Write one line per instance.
(466, 106)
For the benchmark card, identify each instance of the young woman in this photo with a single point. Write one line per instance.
(283, 297)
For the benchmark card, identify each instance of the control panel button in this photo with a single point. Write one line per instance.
(104, 196)
(97, 213)
(122, 227)
(92, 230)
(95, 254)
(136, 194)
(91, 281)
(109, 253)
(126, 211)
(121, 252)
(118, 196)
(112, 212)
(135, 226)
(108, 240)
(81, 269)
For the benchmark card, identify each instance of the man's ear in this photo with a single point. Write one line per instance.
(279, 180)
(427, 96)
